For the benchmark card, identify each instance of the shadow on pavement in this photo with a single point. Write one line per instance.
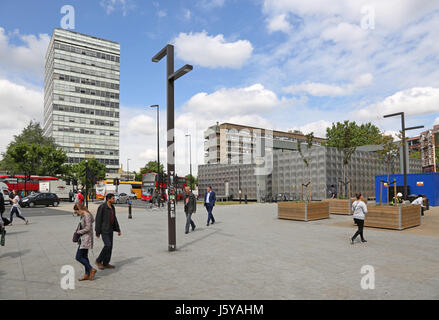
(119, 265)
(199, 239)
(15, 254)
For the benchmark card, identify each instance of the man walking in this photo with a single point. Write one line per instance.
(106, 225)
(209, 203)
(190, 207)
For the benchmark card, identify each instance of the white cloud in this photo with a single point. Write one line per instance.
(27, 58)
(142, 125)
(112, 5)
(321, 89)
(344, 33)
(161, 13)
(212, 51)
(18, 106)
(436, 121)
(187, 14)
(233, 101)
(210, 4)
(414, 101)
(278, 23)
(318, 127)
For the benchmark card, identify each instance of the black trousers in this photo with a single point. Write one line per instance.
(105, 255)
(360, 224)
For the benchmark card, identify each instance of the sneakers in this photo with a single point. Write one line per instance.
(363, 240)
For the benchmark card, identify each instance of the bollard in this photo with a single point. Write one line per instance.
(246, 202)
(130, 216)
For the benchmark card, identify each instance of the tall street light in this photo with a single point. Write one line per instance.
(404, 147)
(171, 76)
(158, 151)
(190, 156)
(128, 169)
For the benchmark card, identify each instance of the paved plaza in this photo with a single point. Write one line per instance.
(247, 254)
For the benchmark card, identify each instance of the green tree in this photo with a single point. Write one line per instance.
(309, 142)
(96, 171)
(32, 153)
(191, 181)
(415, 155)
(347, 136)
(150, 167)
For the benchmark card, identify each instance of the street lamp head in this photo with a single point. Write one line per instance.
(181, 72)
(154, 106)
(394, 114)
(161, 54)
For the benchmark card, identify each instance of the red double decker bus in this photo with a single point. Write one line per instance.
(17, 182)
(150, 183)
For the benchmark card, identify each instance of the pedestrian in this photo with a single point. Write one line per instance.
(360, 210)
(2, 224)
(71, 196)
(190, 208)
(420, 201)
(16, 209)
(85, 232)
(209, 203)
(81, 197)
(332, 192)
(106, 225)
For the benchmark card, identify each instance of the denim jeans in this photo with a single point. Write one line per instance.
(82, 257)
(17, 213)
(189, 222)
(105, 255)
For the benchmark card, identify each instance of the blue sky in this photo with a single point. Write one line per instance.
(283, 64)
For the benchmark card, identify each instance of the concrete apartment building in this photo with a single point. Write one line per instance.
(229, 143)
(429, 145)
(81, 97)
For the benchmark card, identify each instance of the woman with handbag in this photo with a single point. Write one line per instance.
(84, 237)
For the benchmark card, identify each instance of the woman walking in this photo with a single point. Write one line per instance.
(16, 209)
(85, 231)
(360, 210)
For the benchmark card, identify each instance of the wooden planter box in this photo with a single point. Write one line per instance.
(393, 217)
(340, 206)
(303, 211)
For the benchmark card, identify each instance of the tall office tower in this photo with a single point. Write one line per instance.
(81, 97)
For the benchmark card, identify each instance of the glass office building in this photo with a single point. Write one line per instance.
(81, 97)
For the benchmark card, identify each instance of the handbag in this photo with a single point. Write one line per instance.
(76, 235)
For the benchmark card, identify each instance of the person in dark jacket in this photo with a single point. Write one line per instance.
(209, 203)
(2, 224)
(106, 225)
(190, 208)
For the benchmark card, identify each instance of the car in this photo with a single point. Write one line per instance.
(121, 198)
(37, 199)
(133, 196)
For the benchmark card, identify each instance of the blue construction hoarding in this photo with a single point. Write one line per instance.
(418, 183)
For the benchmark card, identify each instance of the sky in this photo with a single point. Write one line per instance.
(276, 64)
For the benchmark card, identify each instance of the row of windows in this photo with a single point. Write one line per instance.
(110, 114)
(97, 142)
(86, 131)
(91, 92)
(103, 161)
(86, 52)
(87, 62)
(93, 122)
(94, 43)
(85, 81)
(89, 72)
(91, 102)
(92, 151)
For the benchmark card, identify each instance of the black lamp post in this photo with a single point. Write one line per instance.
(404, 147)
(171, 76)
(158, 152)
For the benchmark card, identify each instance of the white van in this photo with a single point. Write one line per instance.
(5, 191)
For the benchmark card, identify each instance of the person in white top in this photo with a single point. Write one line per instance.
(420, 201)
(16, 209)
(360, 210)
